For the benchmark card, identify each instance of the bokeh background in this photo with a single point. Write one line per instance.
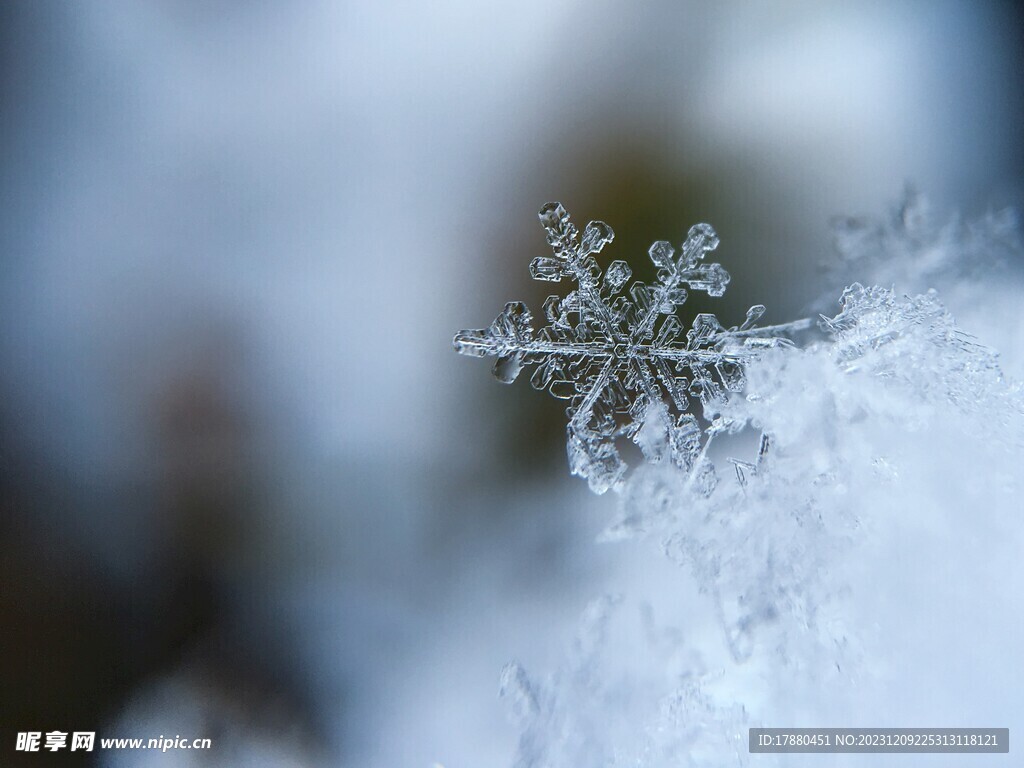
(247, 490)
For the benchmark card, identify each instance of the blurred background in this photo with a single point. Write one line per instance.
(248, 492)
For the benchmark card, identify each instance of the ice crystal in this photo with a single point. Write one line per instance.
(620, 356)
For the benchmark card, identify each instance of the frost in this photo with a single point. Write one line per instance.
(915, 341)
(973, 263)
(620, 357)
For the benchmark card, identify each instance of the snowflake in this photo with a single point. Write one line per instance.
(623, 360)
